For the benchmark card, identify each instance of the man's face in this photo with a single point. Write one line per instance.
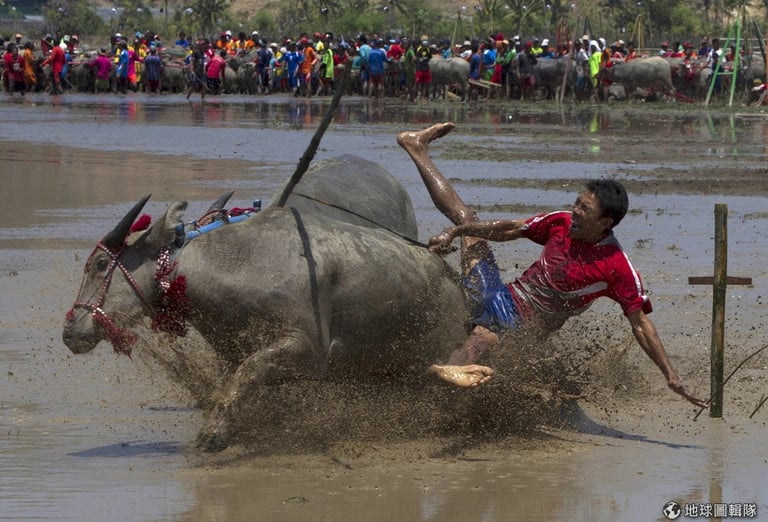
(588, 223)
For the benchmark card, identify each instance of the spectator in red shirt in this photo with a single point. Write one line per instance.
(215, 72)
(395, 51)
(14, 70)
(56, 60)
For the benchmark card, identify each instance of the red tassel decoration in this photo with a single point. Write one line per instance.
(142, 223)
(121, 340)
(172, 309)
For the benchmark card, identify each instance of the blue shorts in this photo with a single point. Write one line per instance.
(492, 304)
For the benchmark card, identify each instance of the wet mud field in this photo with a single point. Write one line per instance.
(578, 427)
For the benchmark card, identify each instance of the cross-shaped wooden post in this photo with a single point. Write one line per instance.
(719, 282)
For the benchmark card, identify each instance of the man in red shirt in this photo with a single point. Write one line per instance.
(215, 72)
(56, 59)
(14, 70)
(581, 260)
(395, 51)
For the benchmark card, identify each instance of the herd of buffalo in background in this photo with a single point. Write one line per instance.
(650, 77)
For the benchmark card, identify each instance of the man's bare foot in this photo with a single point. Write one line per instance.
(468, 376)
(417, 141)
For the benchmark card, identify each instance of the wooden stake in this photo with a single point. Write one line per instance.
(719, 283)
(717, 359)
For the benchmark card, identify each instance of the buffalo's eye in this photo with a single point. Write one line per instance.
(102, 264)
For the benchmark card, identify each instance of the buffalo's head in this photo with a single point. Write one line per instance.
(118, 286)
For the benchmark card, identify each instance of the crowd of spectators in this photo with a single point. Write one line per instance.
(310, 64)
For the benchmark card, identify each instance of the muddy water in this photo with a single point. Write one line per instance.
(97, 437)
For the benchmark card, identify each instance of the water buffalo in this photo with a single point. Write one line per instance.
(756, 65)
(393, 78)
(446, 73)
(686, 75)
(751, 68)
(231, 83)
(549, 75)
(329, 285)
(173, 78)
(81, 76)
(652, 73)
(247, 80)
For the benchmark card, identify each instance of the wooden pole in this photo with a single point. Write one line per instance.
(719, 281)
(571, 57)
(718, 310)
(761, 42)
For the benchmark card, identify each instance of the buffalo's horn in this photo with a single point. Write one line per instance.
(118, 234)
(219, 203)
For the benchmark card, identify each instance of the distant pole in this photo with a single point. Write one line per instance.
(718, 310)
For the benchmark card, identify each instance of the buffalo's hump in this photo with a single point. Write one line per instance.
(368, 194)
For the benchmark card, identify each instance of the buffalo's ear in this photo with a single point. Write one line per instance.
(118, 234)
(163, 231)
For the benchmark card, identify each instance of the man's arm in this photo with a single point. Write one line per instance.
(648, 338)
(494, 230)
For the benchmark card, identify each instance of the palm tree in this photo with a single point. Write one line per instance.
(521, 13)
(206, 14)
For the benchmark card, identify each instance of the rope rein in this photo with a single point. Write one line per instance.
(120, 339)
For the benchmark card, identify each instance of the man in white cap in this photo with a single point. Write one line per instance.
(466, 51)
(546, 51)
(619, 52)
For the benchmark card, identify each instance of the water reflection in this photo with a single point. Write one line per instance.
(705, 132)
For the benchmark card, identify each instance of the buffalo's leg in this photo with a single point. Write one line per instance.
(288, 359)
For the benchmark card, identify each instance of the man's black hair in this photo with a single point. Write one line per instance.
(612, 197)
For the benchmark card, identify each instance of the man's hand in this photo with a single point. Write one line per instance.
(676, 385)
(648, 338)
(441, 243)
